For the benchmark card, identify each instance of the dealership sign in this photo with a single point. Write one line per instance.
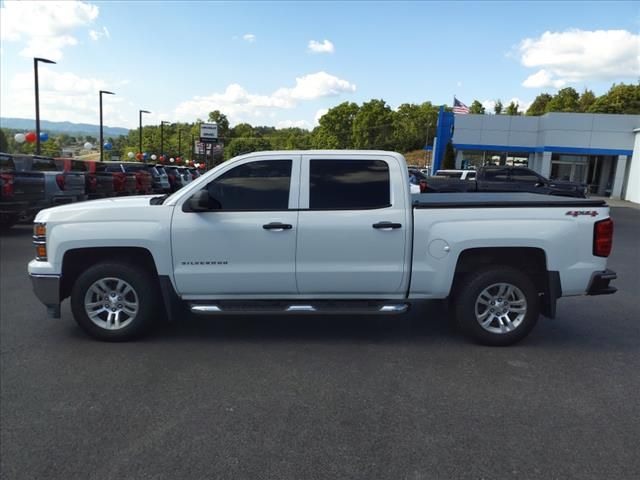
(209, 132)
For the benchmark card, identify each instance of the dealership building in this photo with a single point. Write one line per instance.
(601, 150)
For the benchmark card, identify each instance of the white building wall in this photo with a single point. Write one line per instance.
(633, 184)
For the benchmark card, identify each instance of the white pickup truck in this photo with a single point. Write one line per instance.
(319, 232)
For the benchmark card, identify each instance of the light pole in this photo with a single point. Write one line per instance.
(101, 134)
(140, 133)
(35, 73)
(162, 122)
(179, 139)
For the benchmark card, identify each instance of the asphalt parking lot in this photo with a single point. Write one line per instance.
(346, 397)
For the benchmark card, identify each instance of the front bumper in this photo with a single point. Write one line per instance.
(47, 289)
(599, 284)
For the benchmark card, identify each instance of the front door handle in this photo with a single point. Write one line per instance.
(277, 226)
(386, 225)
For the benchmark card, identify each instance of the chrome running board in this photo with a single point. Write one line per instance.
(279, 308)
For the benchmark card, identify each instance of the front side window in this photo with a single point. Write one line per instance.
(524, 175)
(349, 184)
(254, 186)
(496, 174)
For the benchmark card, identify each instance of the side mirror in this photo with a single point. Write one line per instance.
(539, 184)
(201, 202)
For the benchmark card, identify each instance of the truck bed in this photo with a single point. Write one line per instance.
(499, 200)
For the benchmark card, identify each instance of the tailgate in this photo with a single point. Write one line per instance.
(74, 183)
(28, 187)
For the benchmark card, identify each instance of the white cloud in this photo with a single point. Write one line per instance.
(321, 47)
(241, 105)
(577, 56)
(95, 35)
(319, 115)
(249, 37)
(64, 96)
(523, 105)
(292, 124)
(45, 27)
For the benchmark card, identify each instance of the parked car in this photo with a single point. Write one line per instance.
(124, 183)
(320, 232)
(60, 187)
(186, 174)
(160, 179)
(144, 180)
(507, 179)
(194, 172)
(21, 193)
(98, 183)
(176, 178)
(459, 174)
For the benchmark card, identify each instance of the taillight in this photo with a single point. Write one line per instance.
(60, 180)
(93, 182)
(423, 186)
(118, 181)
(603, 238)
(7, 184)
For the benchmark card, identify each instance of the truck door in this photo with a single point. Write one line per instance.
(352, 227)
(246, 245)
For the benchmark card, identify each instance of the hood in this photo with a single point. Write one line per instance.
(96, 209)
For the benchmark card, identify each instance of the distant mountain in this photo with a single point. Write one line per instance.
(61, 127)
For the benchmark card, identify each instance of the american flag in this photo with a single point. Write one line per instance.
(459, 107)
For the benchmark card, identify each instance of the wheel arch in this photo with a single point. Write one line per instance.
(530, 260)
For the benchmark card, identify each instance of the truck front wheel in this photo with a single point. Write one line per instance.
(114, 301)
(498, 306)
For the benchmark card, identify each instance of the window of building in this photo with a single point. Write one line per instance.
(254, 186)
(349, 184)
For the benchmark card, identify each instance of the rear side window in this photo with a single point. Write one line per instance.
(471, 176)
(261, 185)
(78, 166)
(44, 165)
(524, 175)
(349, 184)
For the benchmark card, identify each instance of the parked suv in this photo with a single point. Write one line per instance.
(144, 181)
(176, 178)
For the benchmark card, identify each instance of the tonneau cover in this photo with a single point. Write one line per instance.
(499, 200)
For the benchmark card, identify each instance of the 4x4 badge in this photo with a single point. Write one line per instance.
(576, 213)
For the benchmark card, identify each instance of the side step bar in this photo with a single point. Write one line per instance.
(279, 309)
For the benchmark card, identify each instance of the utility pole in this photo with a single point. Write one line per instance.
(140, 132)
(101, 134)
(35, 73)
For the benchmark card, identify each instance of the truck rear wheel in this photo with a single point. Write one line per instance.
(498, 306)
(114, 301)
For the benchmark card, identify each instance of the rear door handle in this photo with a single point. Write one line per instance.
(277, 226)
(387, 225)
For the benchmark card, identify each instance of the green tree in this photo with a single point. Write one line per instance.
(539, 104)
(242, 130)
(4, 144)
(373, 126)
(411, 125)
(223, 123)
(497, 108)
(512, 109)
(335, 128)
(476, 107)
(238, 146)
(620, 98)
(566, 100)
(587, 98)
(449, 160)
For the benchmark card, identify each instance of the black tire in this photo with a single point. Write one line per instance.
(467, 292)
(144, 286)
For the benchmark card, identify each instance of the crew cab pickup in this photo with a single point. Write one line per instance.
(20, 192)
(503, 179)
(319, 232)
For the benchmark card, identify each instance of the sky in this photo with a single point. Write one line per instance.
(286, 63)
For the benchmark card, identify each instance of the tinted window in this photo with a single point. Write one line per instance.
(448, 174)
(78, 166)
(254, 186)
(100, 167)
(134, 167)
(44, 165)
(471, 176)
(496, 174)
(524, 175)
(349, 184)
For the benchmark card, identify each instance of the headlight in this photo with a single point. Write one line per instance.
(40, 240)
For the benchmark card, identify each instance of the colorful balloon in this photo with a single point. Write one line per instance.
(30, 137)
(172, 159)
(130, 155)
(88, 146)
(139, 156)
(107, 146)
(154, 157)
(44, 136)
(161, 158)
(19, 137)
